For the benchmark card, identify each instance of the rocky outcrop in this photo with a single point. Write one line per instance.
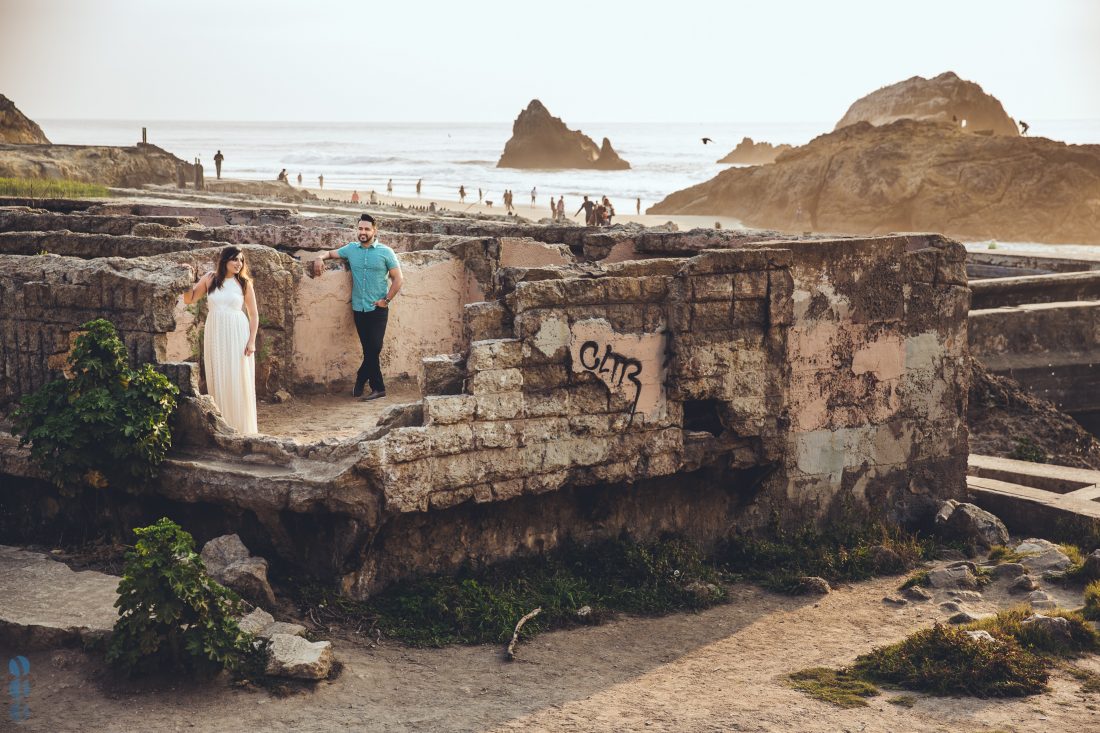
(229, 562)
(16, 128)
(540, 140)
(971, 524)
(111, 166)
(748, 152)
(913, 176)
(945, 98)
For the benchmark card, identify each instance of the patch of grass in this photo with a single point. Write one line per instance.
(41, 188)
(1090, 681)
(1027, 449)
(1091, 611)
(946, 661)
(1008, 624)
(843, 552)
(918, 578)
(838, 687)
(905, 701)
(1002, 554)
(482, 605)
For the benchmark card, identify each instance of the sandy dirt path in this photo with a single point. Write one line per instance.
(720, 670)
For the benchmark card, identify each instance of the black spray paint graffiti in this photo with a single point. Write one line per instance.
(617, 366)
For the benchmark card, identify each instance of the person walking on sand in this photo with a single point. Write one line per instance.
(321, 180)
(229, 338)
(1024, 127)
(480, 194)
(462, 194)
(609, 211)
(375, 281)
(561, 208)
(389, 187)
(355, 197)
(299, 178)
(418, 182)
(218, 158)
(589, 209)
(532, 197)
(638, 205)
(553, 210)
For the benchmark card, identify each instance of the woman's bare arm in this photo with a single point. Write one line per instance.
(253, 319)
(199, 289)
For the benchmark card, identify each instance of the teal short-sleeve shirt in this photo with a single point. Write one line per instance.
(370, 268)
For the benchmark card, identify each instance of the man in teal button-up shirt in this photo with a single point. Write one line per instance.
(375, 281)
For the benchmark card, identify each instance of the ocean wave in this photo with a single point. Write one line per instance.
(315, 158)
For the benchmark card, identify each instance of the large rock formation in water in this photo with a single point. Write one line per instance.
(111, 166)
(540, 140)
(913, 176)
(749, 153)
(945, 98)
(16, 128)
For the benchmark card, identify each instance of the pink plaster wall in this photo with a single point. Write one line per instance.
(521, 252)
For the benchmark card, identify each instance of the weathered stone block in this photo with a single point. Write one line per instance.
(450, 439)
(442, 375)
(495, 381)
(408, 444)
(711, 316)
(749, 285)
(506, 406)
(482, 321)
(504, 490)
(500, 434)
(547, 404)
(541, 430)
(495, 354)
(622, 289)
(712, 287)
(544, 377)
(780, 298)
(449, 409)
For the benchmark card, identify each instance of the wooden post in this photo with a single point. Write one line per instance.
(144, 136)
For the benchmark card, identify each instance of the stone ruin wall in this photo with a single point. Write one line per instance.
(693, 394)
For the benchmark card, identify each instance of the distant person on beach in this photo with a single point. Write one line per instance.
(373, 196)
(553, 210)
(321, 180)
(638, 205)
(589, 209)
(1024, 127)
(479, 195)
(200, 183)
(355, 197)
(375, 281)
(561, 208)
(532, 198)
(461, 194)
(419, 181)
(218, 158)
(600, 215)
(609, 211)
(299, 178)
(389, 186)
(282, 177)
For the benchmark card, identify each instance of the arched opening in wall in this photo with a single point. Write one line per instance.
(703, 416)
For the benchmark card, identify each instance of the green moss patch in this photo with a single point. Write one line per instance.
(838, 687)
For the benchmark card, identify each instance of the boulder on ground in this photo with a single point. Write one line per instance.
(293, 656)
(540, 140)
(971, 524)
(812, 585)
(1042, 556)
(229, 562)
(1091, 568)
(958, 576)
(1008, 570)
(1024, 584)
(1054, 626)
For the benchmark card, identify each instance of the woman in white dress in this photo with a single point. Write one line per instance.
(229, 338)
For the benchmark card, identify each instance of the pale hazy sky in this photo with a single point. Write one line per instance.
(483, 60)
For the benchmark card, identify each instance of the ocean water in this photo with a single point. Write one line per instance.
(363, 156)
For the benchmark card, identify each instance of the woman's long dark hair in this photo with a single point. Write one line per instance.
(243, 276)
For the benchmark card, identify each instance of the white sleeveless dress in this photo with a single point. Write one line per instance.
(230, 375)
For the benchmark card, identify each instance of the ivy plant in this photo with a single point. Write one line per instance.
(172, 615)
(105, 426)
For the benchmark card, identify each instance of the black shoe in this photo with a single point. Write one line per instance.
(357, 391)
(375, 395)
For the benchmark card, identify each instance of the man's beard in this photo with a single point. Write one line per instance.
(365, 239)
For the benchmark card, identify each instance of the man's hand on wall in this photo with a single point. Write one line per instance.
(316, 267)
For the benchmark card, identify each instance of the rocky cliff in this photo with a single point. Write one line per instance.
(16, 128)
(945, 98)
(110, 166)
(540, 140)
(913, 176)
(748, 152)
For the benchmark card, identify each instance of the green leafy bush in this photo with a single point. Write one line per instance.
(107, 425)
(171, 613)
(1082, 638)
(946, 661)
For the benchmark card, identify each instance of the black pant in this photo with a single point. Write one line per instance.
(371, 327)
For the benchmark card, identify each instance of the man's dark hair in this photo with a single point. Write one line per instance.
(366, 217)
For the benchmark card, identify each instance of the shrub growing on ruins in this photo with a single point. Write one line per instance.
(107, 425)
(171, 613)
(43, 188)
(1080, 638)
(947, 661)
(1091, 610)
